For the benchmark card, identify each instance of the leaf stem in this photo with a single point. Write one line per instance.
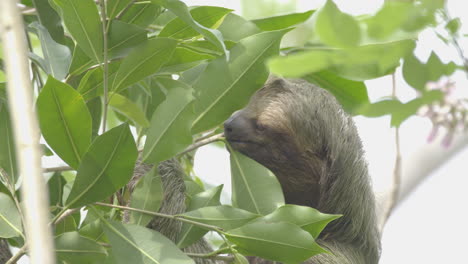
(18, 255)
(105, 63)
(202, 142)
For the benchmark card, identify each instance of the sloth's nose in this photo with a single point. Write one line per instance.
(236, 126)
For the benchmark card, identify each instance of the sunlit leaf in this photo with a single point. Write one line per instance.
(75, 249)
(283, 21)
(106, 167)
(65, 121)
(235, 27)
(254, 187)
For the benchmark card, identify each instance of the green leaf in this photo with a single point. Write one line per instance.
(7, 147)
(283, 242)
(390, 18)
(308, 218)
(453, 26)
(49, 18)
(350, 94)
(360, 63)
(129, 109)
(169, 132)
(82, 20)
(254, 187)
(235, 28)
(57, 56)
(381, 108)
(207, 16)
(66, 225)
(123, 37)
(283, 21)
(225, 87)
(223, 216)
(92, 85)
(137, 244)
(418, 74)
(95, 109)
(180, 9)
(147, 195)
(141, 14)
(113, 8)
(189, 234)
(106, 167)
(335, 28)
(75, 249)
(64, 120)
(10, 219)
(143, 61)
(80, 62)
(55, 185)
(412, 107)
(184, 59)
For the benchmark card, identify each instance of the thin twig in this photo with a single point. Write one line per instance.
(106, 68)
(58, 169)
(395, 190)
(18, 255)
(65, 215)
(211, 139)
(209, 256)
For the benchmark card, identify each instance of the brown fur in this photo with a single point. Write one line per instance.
(302, 134)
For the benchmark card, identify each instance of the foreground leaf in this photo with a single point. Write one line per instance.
(281, 241)
(106, 167)
(75, 249)
(7, 147)
(10, 219)
(147, 195)
(225, 87)
(143, 61)
(254, 187)
(137, 244)
(169, 132)
(283, 21)
(83, 22)
(64, 120)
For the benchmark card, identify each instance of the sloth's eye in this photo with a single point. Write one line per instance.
(260, 127)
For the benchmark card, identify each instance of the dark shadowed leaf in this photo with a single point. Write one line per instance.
(335, 28)
(351, 94)
(10, 219)
(137, 244)
(281, 22)
(75, 249)
(49, 18)
(254, 187)
(147, 195)
(105, 168)
(225, 87)
(280, 241)
(143, 61)
(95, 109)
(190, 233)
(207, 16)
(223, 216)
(57, 56)
(55, 185)
(7, 147)
(83, 22)
(169, 132)
(65, 121)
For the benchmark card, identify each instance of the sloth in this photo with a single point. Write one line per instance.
(301, 133)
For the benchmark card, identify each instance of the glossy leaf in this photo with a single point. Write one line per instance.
(225, 87)
(351, 94)
(283, 21)
(106, 167)
(137, 244)
(308, 218)
(180, 9)
(147, 195)
(142, 14)
(280, 241)
(207, 16)
(10, 219)
(223, 216)
(143, 61)
(335, 28)
(65, 121)
(254, 187)
(189, 234)
(7, 147)
(83, 22)
(169, 132)
(91, 85)
(129, 109)
(56, 56)
(75, 249)
(123, 37)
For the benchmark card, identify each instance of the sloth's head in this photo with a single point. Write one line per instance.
(290, 127)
